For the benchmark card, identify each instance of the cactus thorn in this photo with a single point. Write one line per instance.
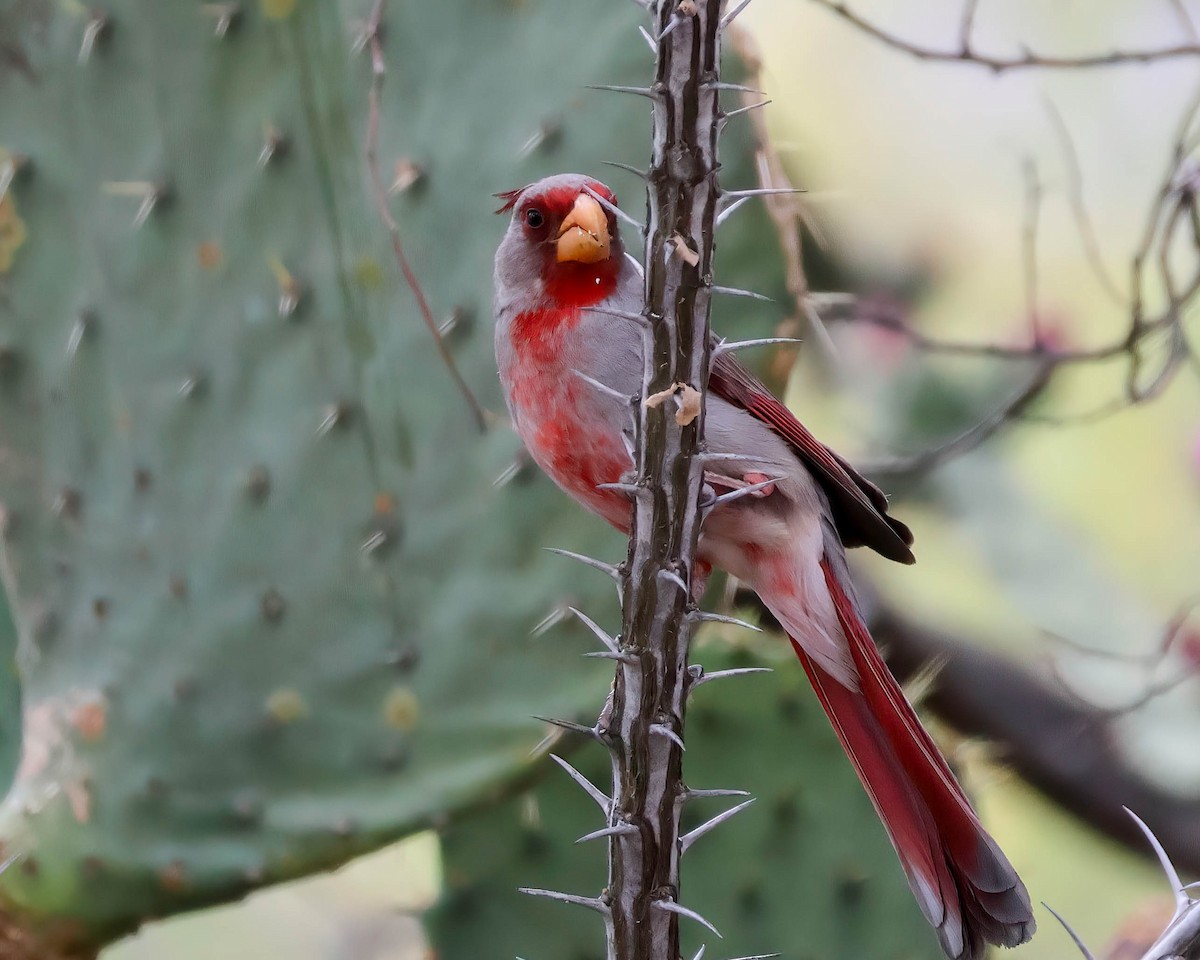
(615, 210)
(672, 577)
(729, 346)
(227, 16)
(603, 387)
(275, 146)
(336, 415)
(649, 39)
(291, 290)
(96, 32)
(630, 488)
(611, 569)
(611, 655)
(670, 28)
(746, 491)
(726, 117)
(552, 619)
(628, 168)
(193, 386)
(732, 14)
(459, 320)
(406, 174)
(730, 210)
(547, 135)
(149, 194)
(592, 903)
(637, 318)
(762, 191)
(83, 327)
(686, 841)
(690, 794)
(734, 87)
(636, 264)
(702, 616)
(616, 830)
(672, 907)
(602, 801)
(648, 92)
(590, 732)
(708, 457)
(1087, 954)
(723, 674)
(662, 730)
(1182, 900)
(601, 635)
(739, 292)
(519, 464)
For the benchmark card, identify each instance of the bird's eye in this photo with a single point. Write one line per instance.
(533, 217)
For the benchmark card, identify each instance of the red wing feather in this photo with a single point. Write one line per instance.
(859, 507)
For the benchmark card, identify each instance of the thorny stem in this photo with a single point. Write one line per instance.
(379, 192)
(650, 692)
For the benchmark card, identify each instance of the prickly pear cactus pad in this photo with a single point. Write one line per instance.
(273, 590)
(805, 871)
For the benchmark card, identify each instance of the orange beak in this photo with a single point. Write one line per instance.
(583, 236)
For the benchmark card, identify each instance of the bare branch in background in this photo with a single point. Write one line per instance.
(1154, 339)
(1178, 633)
(1034, 724)
(966, 52)
(370, 36)
(1172, 223)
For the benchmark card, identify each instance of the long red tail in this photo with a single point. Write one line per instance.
(964, 884)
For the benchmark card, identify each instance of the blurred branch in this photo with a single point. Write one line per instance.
(893, 468)
(1172, 231)
(1179, 632)
(1027, 60)
(370, 36)
(1062, 747)
(1173, 222)
(1059, 745)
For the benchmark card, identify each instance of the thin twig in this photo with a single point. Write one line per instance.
(999, 64)
(1083, 220)
(974, 436)
(1029, 235)
(378, 72)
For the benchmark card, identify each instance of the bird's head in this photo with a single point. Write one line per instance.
(562, 243)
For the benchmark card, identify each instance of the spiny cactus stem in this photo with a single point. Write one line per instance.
(380, 192)
(646, 714)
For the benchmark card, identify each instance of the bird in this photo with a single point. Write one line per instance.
(567, 299)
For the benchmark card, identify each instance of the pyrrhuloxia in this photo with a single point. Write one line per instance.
(561, 255)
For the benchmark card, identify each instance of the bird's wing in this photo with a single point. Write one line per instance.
(859, 507)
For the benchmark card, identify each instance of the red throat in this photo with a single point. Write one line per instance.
(581, 284)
